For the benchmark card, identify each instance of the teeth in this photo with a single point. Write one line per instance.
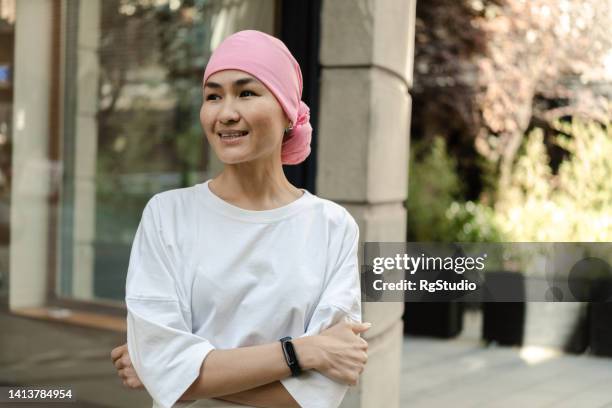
(232, 135)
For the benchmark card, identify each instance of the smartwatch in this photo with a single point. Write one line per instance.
(290, 356)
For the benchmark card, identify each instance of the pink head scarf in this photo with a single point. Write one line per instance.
(268, 59)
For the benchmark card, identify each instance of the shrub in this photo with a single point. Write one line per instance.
(433, 185)
(472, 222)
(435, 210)
(573, 205)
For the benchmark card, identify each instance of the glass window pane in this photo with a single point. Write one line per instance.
(131, 128)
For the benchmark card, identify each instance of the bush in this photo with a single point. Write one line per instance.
(432, 186)
(573, 205)
(472, 222)
(435, 210)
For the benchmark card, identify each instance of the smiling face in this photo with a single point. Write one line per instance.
(241, 118)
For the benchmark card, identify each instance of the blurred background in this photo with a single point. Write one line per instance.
(456, 121)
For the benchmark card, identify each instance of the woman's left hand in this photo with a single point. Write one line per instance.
(121, 360)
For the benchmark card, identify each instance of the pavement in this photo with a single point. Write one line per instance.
(461, 372)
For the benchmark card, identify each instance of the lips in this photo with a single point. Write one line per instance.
(232, 134)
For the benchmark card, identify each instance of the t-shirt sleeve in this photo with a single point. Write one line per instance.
(341, 298)
(165, 353)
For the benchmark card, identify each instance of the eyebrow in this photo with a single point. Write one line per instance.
(238, 82)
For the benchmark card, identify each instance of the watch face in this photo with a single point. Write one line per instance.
(290, 356)
(291, 352)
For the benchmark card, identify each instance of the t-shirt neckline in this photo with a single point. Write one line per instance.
(221, 206)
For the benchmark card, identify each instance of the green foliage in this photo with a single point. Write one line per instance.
(435, 210)
(573, 205)
(472, 222)
(433, 186)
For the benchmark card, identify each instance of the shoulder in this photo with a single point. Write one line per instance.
(173, 212)
(337, 217)
(173, 202)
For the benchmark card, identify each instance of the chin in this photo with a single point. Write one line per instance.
(234, 158)
(237, 156)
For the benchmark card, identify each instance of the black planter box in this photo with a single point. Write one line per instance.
(601, 329)
(433, 319)
(504, 322)
(600, 324)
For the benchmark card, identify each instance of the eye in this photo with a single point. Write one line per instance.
(247, 93)
(212, 97)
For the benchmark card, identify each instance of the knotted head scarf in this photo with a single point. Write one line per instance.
(268, 59)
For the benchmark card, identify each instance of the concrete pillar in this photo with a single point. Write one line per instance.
(86, 148)
(33, 170)
(31, 167)
(364, 127)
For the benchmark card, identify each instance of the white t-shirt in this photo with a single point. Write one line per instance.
(206, 274)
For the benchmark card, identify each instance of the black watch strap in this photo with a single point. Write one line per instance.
(290, 356)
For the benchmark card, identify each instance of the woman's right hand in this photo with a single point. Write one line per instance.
(122, 362)
(342, 352)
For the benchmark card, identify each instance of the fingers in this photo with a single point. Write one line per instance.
(127, 373)
(118, 352)
(360, 327)
(132, 383)
(350, 369)
(123, 362)
(135, 383)
(130, 378)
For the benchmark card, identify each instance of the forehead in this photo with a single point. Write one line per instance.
(229, 76)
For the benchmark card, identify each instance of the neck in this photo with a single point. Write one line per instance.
(254, 185)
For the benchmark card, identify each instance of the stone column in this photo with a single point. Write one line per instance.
(33, 172)
(32, 169)
(364, 131)
(86, 148)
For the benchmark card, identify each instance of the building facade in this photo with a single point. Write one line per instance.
(99, 104)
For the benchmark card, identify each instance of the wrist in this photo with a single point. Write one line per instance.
(307, 352)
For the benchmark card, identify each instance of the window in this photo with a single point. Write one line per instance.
(119, 116)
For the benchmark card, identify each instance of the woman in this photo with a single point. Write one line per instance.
(221, 271)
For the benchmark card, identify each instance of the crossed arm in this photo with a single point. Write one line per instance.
(251, 375)
(269, 395)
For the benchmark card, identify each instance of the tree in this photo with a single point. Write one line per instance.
(490, 68)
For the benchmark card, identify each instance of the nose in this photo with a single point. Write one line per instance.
(228, 112)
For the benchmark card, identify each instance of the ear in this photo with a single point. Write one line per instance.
(288, 128)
